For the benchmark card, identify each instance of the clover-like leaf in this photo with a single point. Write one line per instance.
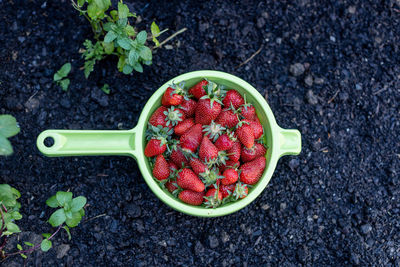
(8, 126)
(78, 203)
(45, 245)
(141, 37)
(110, 36)
(57, 218)
(63, 197)
(12, 227)
(64, 84)
(127, 69)
(52, 202)
(138, 67)
(124, 43)
(145, 53)
(123, 10)
(74, 220)
(5, 147)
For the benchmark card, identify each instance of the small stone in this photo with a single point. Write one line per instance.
(278, 40)
(225, 237)
(297, 69)
(198, 248)
(203, 27)
(294, 163)
(14, 26)
(332, 38)
(265, 207)
(358, 86)
(260, 22)
(133, 211)
(299, 210)
(366, 228)
(168, 47)
(21, 39)
(65, 103)
(100, 97)
(352, 9)
(213, 241)
(311, 98)
(343, 96)
(318, 80)
(309, 80)
(32, 104)
(62, 250)
(283, 206)
(355, 258)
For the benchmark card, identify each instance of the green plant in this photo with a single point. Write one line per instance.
(60, 76)
(106, 88)
(114, 35)
(68, 215)
(8, 128)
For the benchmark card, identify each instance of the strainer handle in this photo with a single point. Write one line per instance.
(289, 142)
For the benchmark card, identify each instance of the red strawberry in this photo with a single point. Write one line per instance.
(178, 157)
(187, 179)
(170, 186)
(206, 111)
(158, 117)
(233, 96)
(256, 127)
(172, 166)
(172, 96)
(213, 198)
(207, 150)
(240, 191)
(230, 177)
(248, 111)
(198, 90)
(183, 126)
(198, 166)
(161, 169)
(173, 116)
(227, 118)
(192, 138)
(191, 197)
(245, 134)
(225, 141)
(154, 147)
(227, 190)
(250, 154)
(229, 164)
(189, 106)
(235, 151)
(252, 171)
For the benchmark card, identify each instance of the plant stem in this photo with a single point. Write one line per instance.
(171, 37)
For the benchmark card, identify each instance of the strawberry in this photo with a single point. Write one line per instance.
(230, 177)
(241, 191)
(173, 116)
(229, 164)
(172, 166)
(256, 127)
(198, 90)
(173, 95)
(191, 197)
(213, 131)
(207, 149)
(233, 97)
(245, 134)
(211, 176)
(198, 166)
(170, 185)
(225, 141)
(227, 190)
(155, 147)
(161, 169)
(189, 107)
(207, 111)
(213, 198)
(252, 171)
(178, 157)
(235, 151)
(250, 154)
(158, 117)
(183, 126)
(227, 118)
(192, 138)
(187, 179)
(248, 111)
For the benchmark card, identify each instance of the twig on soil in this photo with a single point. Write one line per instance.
(380, 91)
(95, 217)
(333, 97)
(251, 57)
(171, 37)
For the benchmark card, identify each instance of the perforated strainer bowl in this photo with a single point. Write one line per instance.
(132, 142)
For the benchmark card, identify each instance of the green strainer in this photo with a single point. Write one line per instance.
(132, 142)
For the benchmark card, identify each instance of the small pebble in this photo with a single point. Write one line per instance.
(297, 69)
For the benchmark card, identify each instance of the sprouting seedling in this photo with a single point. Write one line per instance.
(8, 128)
(60, 76)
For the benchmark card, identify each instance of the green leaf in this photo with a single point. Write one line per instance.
(66, 228)
(108, 47)
(45, 245)
(29, 244)
(127, 69)
(114, 14)
(12, 227)
(78, 202)
(155, 30)
(23, 256)
(16, 215)
(57, 218)
(81, 2)
(68, 214)
(138, 67)
(19, 247)
(122, 22)
(88, 67)
(106, 89)
(63, 197)
(64, 84)
(130, 31)
(110, 36)
(64, 71)
(141, 37)
(15, 192)
(8, 126)
(5, 147)
(121, 63)
(75, 220)
(133, 57)
(52, 202)
(145, 53)
(123, 10)
(124, 43)
(46, 235)
(82, 212)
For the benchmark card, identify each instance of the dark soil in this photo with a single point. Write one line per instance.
(335, 204)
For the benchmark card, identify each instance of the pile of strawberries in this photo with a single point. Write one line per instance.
(205, 144)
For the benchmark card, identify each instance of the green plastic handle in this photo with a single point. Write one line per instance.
(88, 142)
(289, 142)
